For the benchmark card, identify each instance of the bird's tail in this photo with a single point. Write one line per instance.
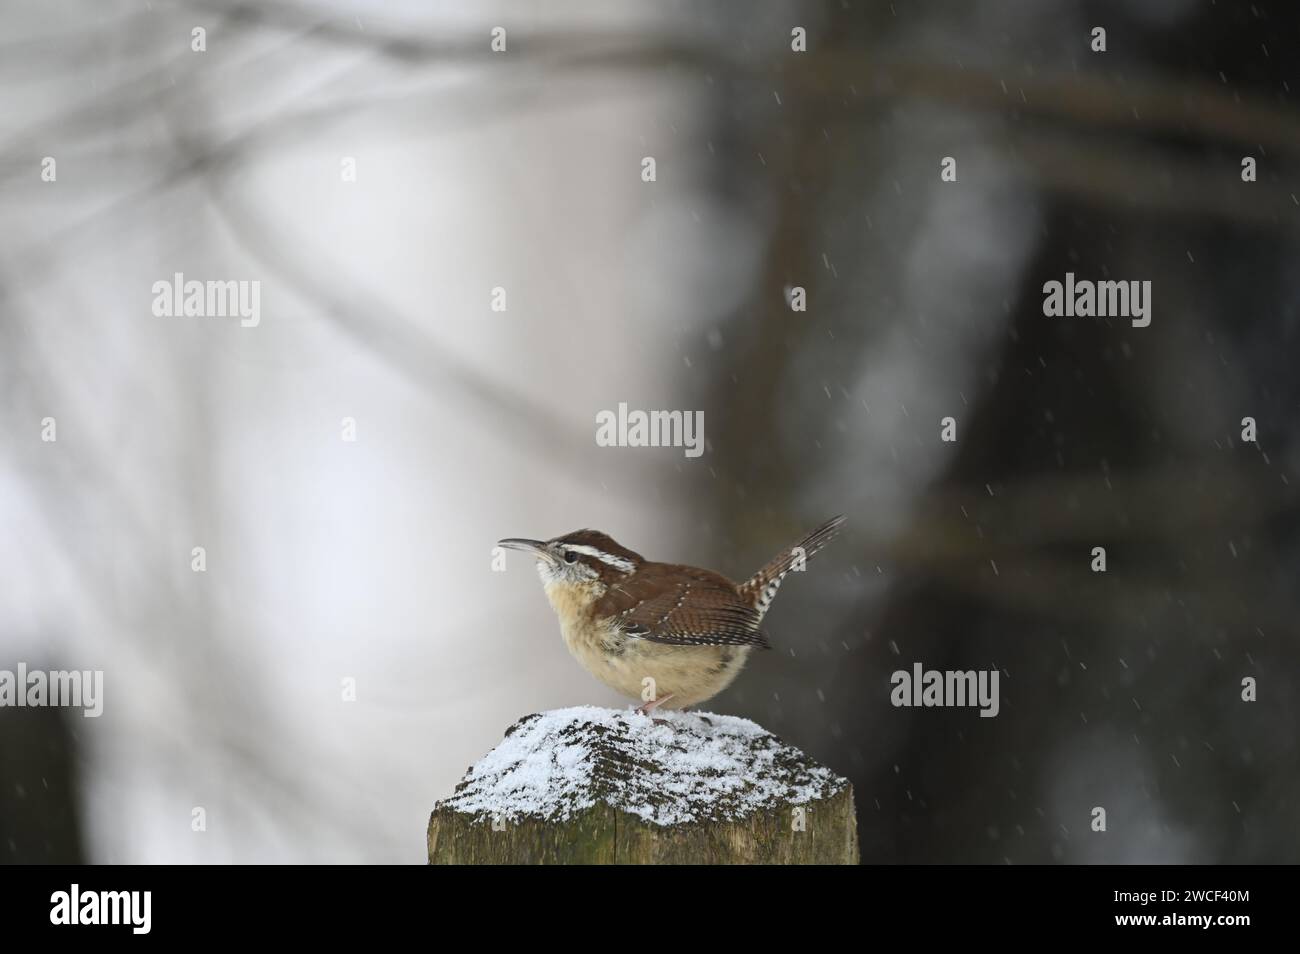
(760, 588)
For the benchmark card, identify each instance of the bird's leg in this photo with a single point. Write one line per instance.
(653, 704)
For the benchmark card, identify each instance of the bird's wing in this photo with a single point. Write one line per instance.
(683, 607)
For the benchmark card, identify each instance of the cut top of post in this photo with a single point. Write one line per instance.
(679, 768)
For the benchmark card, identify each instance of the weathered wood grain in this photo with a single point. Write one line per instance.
(604, 817)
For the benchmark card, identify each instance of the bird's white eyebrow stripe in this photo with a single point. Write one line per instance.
(616, 562)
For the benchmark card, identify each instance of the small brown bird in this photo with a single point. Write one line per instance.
(670, 635)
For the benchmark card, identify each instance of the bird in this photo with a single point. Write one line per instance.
(670, 635)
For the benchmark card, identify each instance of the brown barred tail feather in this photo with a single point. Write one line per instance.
(759, 590)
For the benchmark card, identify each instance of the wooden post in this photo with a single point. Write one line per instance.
(603, 786)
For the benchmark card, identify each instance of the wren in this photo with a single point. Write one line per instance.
(670, 635)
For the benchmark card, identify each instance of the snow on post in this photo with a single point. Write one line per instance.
(601, 786)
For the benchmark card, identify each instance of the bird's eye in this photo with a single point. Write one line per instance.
(570, 556)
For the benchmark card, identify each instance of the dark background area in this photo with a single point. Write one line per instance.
(1120, 689)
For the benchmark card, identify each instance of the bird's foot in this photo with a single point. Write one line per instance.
(646, 708)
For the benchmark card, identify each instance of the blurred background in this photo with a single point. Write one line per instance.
(330, 560)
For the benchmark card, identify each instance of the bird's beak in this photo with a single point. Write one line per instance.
(539, 547)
